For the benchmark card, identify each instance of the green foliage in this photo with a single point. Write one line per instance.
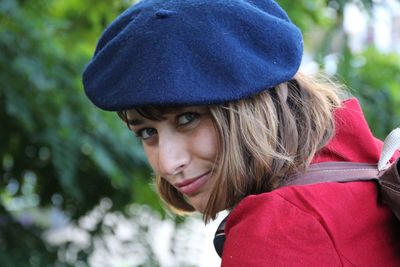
(307, 14)
(321, 23)
(374, 77)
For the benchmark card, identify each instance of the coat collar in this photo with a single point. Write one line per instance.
(353, 140)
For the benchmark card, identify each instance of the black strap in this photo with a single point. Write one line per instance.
(219, 238)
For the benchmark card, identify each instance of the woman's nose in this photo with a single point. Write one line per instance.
(173, 156)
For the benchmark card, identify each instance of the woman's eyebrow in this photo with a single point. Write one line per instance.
(134, 122)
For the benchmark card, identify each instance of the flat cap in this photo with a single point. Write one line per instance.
(192, 52)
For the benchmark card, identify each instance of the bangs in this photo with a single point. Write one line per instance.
(154, 113)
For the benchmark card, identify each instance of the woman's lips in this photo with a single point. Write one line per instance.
(191, 186)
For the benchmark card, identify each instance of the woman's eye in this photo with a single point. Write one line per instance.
(187, 118)
(146, 133)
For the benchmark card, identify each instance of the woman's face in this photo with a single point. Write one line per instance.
(182, 149)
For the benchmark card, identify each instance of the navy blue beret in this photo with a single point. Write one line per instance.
(192, 52)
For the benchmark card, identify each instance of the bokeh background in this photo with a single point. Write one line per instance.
(75, 189)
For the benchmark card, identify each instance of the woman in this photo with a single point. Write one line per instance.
(212, 89)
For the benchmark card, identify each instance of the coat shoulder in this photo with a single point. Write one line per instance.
(338, 224)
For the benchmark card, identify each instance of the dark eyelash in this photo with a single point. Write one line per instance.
(137, 134)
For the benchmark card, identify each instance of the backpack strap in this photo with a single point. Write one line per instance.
(334, 172)
(386, 174)
(389, 182)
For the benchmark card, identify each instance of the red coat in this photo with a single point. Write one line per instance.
(326, 224)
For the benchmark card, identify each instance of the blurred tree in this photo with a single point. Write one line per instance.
(56, 149)
(372, 76)
(58, 152)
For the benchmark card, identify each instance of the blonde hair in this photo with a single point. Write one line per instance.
(263, 139)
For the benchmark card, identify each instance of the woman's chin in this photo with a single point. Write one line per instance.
(198, 203)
